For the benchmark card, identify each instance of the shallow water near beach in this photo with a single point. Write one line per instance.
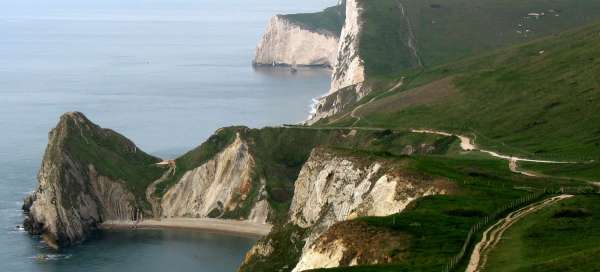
(166, 74)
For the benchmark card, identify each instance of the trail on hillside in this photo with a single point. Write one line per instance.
(411, 41)
(493, 234)
(468, 144)
(150, 191)
(357, 118)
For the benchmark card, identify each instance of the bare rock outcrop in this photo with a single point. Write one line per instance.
(334, 188)
(219, 186)
(347, 82)
(77, 189)
(289, 43)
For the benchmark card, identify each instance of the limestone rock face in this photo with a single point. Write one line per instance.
(218, 186)
(321, 255)
(349, 69)
(333, 188)
(72, 197)
(288, 43)
(353, 243)
(347, 82)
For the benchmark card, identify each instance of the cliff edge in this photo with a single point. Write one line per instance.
(88, 175)
(307, 39)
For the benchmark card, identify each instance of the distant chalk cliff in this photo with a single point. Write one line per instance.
(308, 39)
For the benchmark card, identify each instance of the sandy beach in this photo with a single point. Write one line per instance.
(206, 224)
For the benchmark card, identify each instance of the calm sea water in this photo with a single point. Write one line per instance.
(166, 74)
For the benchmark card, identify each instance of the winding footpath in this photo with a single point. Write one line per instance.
(354, 112)
(467, 144)
(493, 235)
(150, 191)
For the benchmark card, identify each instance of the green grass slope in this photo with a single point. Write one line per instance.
(438, 225)
(329, 20)
(564, 237)
(111, 154)
(451, 29)
(540, 99)
(279, 154)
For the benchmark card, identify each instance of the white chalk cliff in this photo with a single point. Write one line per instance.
(332, 188)
(216, 187)
(349, 72)
(72, 197)
(289, 43)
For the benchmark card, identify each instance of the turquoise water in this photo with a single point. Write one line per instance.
(164, 73)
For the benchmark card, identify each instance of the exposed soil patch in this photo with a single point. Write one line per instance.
(367, 244)
(424, 95)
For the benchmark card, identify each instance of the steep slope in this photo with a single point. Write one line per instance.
(537, 100)
(88, 175)
(383, 39)
(250, 174)
(335, 186)
(307, 39)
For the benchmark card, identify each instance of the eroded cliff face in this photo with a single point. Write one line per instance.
(334, 188)
(73, 196)
(219, 186)
(349, 69)
(343, 244)
(289, 43)
(347, 82)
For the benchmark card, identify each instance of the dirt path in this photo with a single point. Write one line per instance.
(150, 196)
(493, 234)
(412, 41)
(357, 118)
(468, 144)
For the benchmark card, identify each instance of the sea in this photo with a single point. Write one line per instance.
(164, 73)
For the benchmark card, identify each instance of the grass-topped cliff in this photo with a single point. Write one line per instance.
(538, 99)
(112, 154)
(279, 154)
(88, 175)
(330, 20)
(445, 31)
(361, 188)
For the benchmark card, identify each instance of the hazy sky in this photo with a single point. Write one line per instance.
(12, 8)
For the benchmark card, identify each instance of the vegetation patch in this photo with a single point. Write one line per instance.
(331, 20)
(112, 155)
(437, 226)
(544, 242)
(366, 244)
(525, 100)
(572, 213)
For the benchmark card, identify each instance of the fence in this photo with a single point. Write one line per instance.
(458, 258)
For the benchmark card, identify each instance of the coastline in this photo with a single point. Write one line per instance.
(245, 228)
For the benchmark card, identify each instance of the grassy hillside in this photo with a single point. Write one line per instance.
(111, 154)
(279, 154)
(451, 29)
(437, 226)
(565, 237)
(329, 20)
(540, 99)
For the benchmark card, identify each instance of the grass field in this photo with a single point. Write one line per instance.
(279, 154)
(438, 225)
(112, 155)
(589, 171)
(329, 20)
(446, 31)
(564, 237)
(526, 100)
